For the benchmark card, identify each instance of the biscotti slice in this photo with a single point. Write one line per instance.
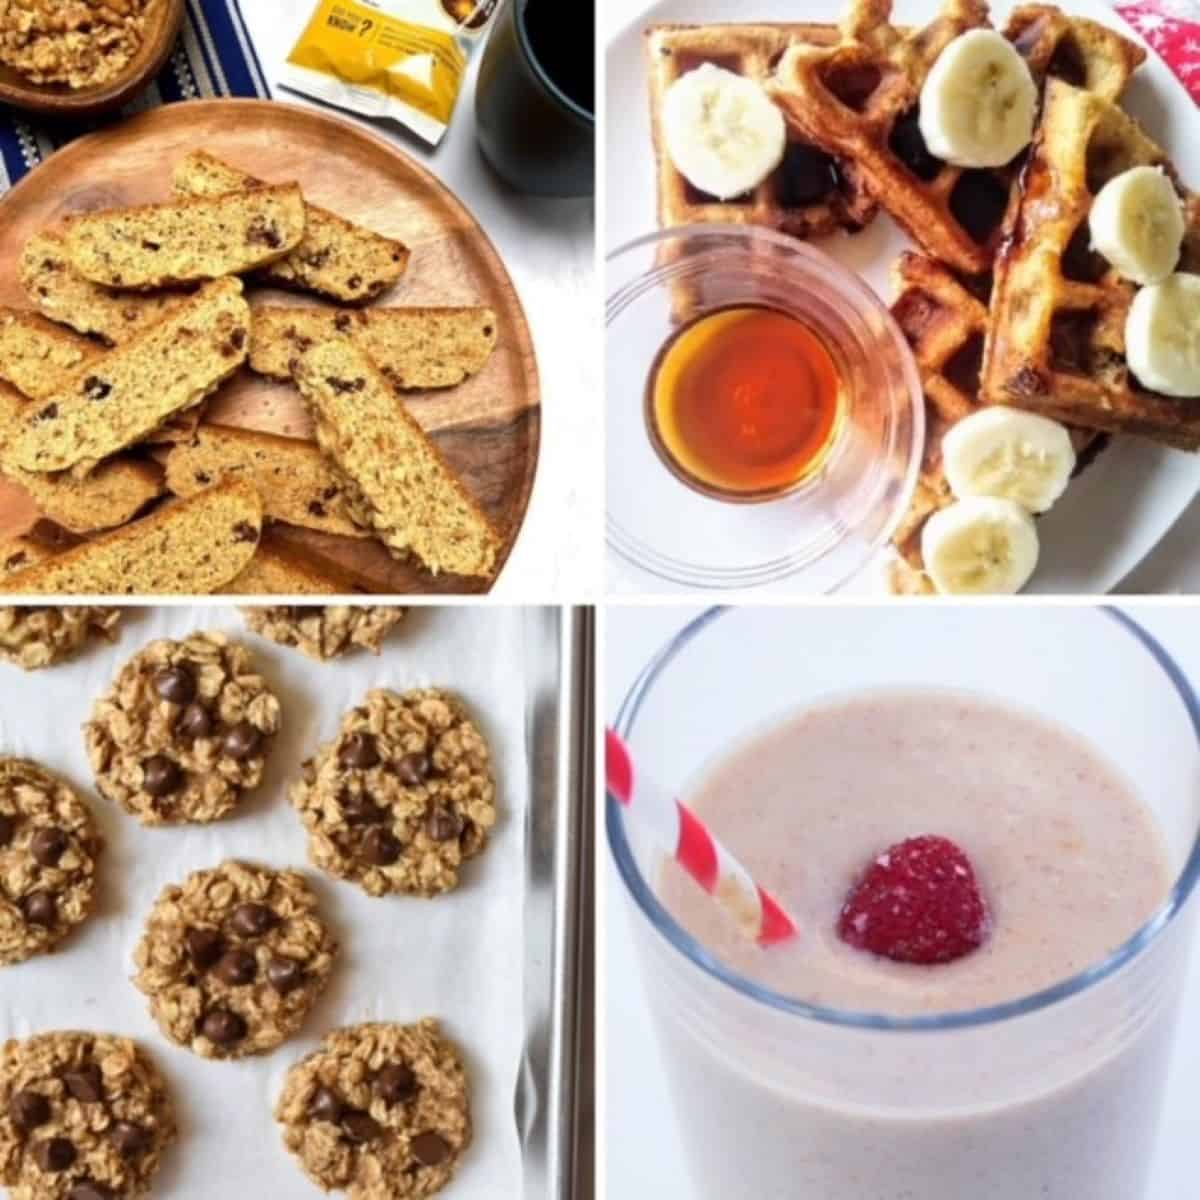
(400, 484)
(186, 241)
(111, 495)
(413, 347)
(280, 570)
(35, 354)
(335, 258)
(59, 292)
(295, 479)
(191, 547)
(137, 388)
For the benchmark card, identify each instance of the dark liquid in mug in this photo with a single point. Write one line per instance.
(562, 38)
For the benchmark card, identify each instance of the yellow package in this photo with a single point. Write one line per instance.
(403, 59)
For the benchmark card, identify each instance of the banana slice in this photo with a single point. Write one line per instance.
(978, 102)
(722, 131)
(1010, 454)
(1137, 223)
(1162, 336)
(980, 546)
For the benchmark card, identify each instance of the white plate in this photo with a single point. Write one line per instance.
(1119, 508)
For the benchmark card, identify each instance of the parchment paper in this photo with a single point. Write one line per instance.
(459, 957)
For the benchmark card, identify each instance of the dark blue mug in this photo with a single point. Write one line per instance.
(535, 97)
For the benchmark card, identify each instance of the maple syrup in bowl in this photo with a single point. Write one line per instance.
(764, 417)
(744, 403)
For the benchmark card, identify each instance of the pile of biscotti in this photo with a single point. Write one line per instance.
(141, 315)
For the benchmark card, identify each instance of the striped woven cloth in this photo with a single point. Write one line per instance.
(213, 57)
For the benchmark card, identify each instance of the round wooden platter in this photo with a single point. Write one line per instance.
(488, 428)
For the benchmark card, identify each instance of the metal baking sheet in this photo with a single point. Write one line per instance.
(555, 1093)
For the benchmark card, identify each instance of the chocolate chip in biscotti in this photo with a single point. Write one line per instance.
(234, 958)
(193, 760)
(425, 808)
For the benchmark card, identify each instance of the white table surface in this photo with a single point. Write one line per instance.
(1172, 567)
(644, 1153)
(548, 247)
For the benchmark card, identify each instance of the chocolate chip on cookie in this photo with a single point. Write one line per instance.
(48, 853)
(71, 1099)
(233, 959)
(402, 796)
(381, 1102)
(183, 731)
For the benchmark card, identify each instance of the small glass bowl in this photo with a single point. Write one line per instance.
(823, 532)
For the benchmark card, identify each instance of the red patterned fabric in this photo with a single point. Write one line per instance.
(1172, 27)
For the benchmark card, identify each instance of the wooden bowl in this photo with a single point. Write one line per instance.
(59, 100)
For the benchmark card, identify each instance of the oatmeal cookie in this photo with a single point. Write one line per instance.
(185, 728)
(83, 1116)
(324, 631)
(234, 958)
(48, 852)
(33, 636)
(379, 1111)
(402, 797)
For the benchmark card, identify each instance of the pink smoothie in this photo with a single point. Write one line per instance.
(1070, 861)
(1057, 1105)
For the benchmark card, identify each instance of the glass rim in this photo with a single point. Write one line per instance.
(792, 565)
(665, 925)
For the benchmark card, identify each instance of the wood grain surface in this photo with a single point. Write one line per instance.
(488, 428)
(58, 100)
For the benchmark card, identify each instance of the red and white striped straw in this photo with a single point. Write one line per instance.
(680, 831)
